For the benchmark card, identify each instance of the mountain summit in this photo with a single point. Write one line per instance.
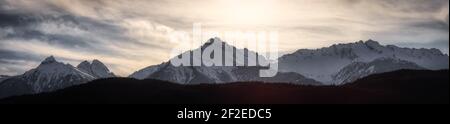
(96, 69)
(337, 64)
(49, 60)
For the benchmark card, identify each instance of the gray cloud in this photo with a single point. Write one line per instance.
(129, 35)
(439, 44)
(71, 34)
(11, 55)
(26, 27)
(14, 63)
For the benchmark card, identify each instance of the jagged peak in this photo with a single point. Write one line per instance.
(99, 64)
(50, 59)
(211, 41)
(371, 42)
(85, 62)
(215, 39)
(95, 68)
(96, 61)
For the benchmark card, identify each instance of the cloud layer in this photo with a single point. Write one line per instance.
(130, 34)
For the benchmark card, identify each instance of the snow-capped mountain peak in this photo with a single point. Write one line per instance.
(211, 41)
(84, 64)
(52, 75)
(48, 60)
(97, 69)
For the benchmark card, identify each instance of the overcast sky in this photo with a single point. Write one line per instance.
(128, 35)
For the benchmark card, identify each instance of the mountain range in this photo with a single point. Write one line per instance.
(398, 87)
(219, 74)
(335, 65)
(330, 65)
(52, 75)
(96, 69)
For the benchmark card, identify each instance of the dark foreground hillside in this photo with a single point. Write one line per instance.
(405, 86)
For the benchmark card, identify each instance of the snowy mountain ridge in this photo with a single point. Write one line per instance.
(96, 69)
(337, 64)
(321, 64)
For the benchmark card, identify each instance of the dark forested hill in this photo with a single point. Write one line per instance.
(404, 86)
